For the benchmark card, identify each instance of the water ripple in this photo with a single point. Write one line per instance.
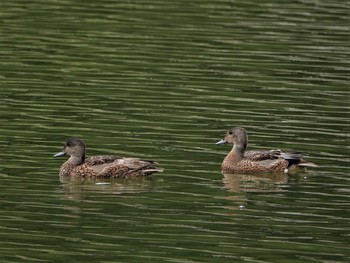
(163, 81)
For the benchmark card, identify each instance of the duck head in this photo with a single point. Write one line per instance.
(73, 147)
(238, 136)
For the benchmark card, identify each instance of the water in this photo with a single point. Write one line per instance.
(163, 81)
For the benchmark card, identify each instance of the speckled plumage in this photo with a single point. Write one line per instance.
(238, 160)
(101, 166)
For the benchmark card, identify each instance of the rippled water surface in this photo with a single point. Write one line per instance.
(163, 80)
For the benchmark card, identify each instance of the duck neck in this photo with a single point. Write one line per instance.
(76, 160)
(70, 164)
(238, 151)
(234, 156)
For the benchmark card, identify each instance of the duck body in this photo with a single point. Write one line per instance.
(238, 160)
(101, 166)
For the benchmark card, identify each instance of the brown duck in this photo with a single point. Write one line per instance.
(101, 166)
(240, 161)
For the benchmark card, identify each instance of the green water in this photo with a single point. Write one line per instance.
(163, 80)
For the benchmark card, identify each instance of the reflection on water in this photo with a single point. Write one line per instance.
(74, 188)
(255, 182)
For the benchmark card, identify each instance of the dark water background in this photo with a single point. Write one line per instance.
(163, 80)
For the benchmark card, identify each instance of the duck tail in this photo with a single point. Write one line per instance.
(295, 159)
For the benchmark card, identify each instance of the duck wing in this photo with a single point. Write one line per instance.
(256, 156)
(275, 158)
(118, 167)
(102, 159)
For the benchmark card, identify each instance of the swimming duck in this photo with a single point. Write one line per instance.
(101, 166)
(240, 161)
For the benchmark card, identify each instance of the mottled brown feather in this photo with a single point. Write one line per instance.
(101, 166)
(240, 161)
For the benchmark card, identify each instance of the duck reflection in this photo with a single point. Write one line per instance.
(244, 188)
(75, 188)
(240, 185)
(265, 182)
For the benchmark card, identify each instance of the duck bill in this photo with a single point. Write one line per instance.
(223, 141)
(59, 154)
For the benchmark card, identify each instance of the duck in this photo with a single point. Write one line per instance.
(100, 166)
(238, 160)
